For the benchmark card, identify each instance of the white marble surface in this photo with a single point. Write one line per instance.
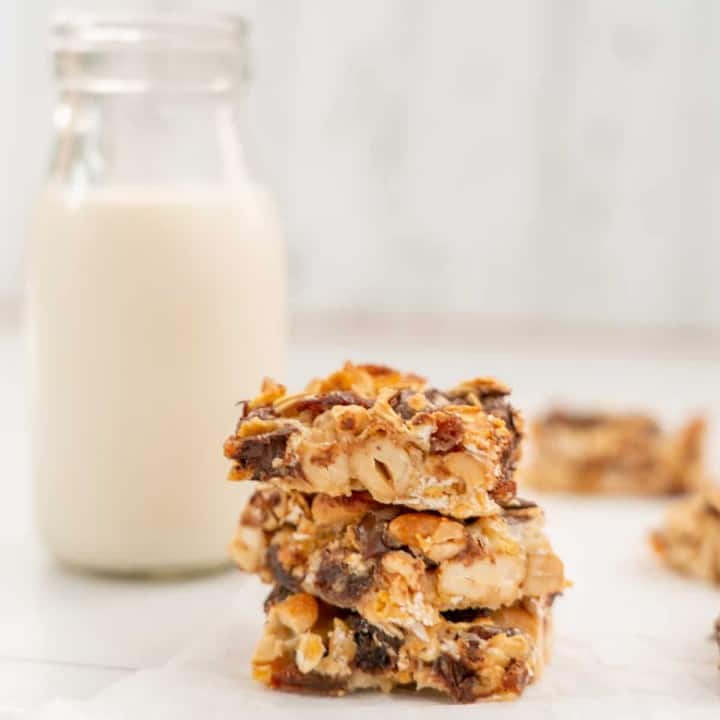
(632, 641)
(68, 635)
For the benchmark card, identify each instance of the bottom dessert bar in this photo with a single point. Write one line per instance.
(689, 541)
(607, 453)
(309, 646)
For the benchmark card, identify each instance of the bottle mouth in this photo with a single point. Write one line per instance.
(140, 52)
(192, 32)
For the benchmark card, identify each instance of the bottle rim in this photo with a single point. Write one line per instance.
(80, 32)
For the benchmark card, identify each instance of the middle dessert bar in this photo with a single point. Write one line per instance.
(375, 429)
(396, 567)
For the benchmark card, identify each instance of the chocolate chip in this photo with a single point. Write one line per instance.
(279, 572)
(465, 614)
(285, 675)
(264, 412)
(519, 504)
(376, 651)
(276, 595)
(504, 490)
(496, 404)
(370, 535)
(399, 402)
(459, 679)
(486, 632)
(258, 452)
(518, 511)
(317, 404)
(516, 677)
(260, 509)
(339, 583)
(448, 433)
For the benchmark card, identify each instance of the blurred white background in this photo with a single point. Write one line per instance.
(554, 161)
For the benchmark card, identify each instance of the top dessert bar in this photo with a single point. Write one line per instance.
(613, 453)
(372, 428)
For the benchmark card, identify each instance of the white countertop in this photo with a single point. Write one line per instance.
(65, 634)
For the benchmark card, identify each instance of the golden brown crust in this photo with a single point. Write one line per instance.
(689, 541)
(397, 568)
(614, 453)
(376, 429)
(483, 656)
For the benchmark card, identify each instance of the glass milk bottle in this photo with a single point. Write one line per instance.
(156, 294)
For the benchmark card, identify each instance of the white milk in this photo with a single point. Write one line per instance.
(151, 313)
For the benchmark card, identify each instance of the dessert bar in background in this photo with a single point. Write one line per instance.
(689, 541)
(387, 521)
(608, 453)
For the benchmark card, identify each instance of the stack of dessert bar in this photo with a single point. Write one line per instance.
(611, 453)
(387, 522)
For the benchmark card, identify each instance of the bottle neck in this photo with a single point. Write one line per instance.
(151, 100)
(152, 138)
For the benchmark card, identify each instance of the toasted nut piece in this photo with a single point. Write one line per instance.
(309, 653)
(269, 648)
(271, 391)
(402, 564)
(384, 465)
(324, 466)
(382, 411)
(342, 510)
(255, 426)
(248, 547)
(287, 403)
(298, 612)
(262, 672)
(488, 582)
(544, 573)
(438, 538)
(417, 402)
(350, 419)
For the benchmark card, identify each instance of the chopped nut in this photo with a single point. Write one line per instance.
(545, 573)
(485, 582)
(298, 612)
(248, 547)
(309, 653)
(436, 537)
